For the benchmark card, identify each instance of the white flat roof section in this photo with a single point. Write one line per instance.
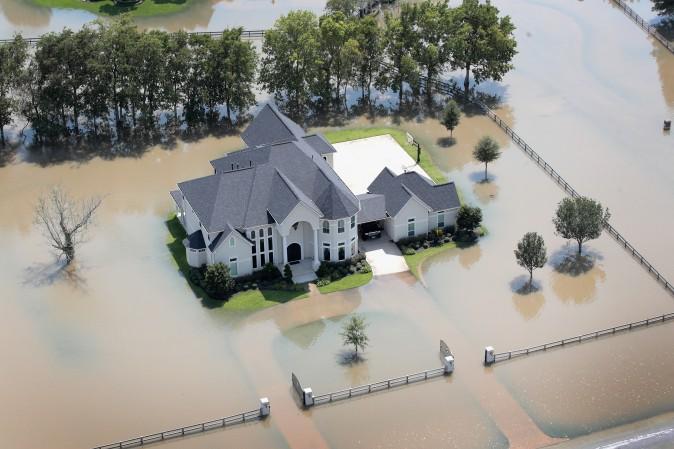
(358, 162)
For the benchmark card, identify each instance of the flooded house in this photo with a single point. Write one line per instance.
(280, 201)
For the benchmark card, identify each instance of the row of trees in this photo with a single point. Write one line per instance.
(111, 72)
(311, 61)
(111, 76)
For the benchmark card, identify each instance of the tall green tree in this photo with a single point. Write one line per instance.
(334, 31)
(370, 40)
(242, 64)
(486, 151)
(346, 7)
(291, 57)
(13, 58)
(177, 65)
(482, 44)
(580, 219)
(147, 79)
(531, 253)
(468, 218)
(399, 43)
(664, 7)
(451, 116)
(195, 90)
(434, 27)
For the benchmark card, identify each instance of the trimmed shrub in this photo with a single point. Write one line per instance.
(218, 282)
(409, 251)
(322, 282)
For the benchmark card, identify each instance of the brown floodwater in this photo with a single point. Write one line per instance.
(121, 347)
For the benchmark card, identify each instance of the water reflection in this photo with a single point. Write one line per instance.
(575, 276)
(529, 304)
(22, 13)
(469, 255)
(486, 191)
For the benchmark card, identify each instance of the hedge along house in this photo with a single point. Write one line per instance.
(280, 201)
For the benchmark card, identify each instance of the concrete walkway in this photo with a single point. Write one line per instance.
(383, 256)
(358, 162)
(303, 271)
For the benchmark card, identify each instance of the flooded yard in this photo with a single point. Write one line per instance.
(121, 347)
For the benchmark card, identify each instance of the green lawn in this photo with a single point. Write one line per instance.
(426, 163)
(346, 283)
(242, 301)
(415, 260)
(108, 7)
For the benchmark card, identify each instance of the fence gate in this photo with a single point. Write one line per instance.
(298, 388)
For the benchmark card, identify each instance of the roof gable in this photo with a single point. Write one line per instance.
(271, 126)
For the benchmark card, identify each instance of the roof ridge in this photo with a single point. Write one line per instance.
(297, 192)
(250, 193)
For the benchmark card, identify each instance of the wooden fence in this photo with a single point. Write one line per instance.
(501, 356)
(378, 386)
(650, 29)
(184, 431)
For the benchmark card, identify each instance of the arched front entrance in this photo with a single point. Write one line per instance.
(294, 252)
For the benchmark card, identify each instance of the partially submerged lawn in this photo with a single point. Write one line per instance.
(414, 261)
(109, 8)
(426, 162)
(346, 283)
(243, 301)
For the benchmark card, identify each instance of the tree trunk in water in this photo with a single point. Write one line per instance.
(580, 246)
(69, 249)
(400, 95)
(466, 80)
(2, 136)
(485, 171)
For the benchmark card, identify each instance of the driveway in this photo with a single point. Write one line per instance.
(384, 256)
(358, 162)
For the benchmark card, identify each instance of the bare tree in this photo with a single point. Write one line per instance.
(64, 221)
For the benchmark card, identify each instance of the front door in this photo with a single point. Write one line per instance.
(294, 253)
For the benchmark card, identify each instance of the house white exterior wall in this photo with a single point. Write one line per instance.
(233, 246)
(396, 226)
(333, 238)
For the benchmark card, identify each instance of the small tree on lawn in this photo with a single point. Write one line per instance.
(468, 218)
(486, 151)
(218, 281)
(451, 116)
(354, 334)
(580, 219)
(288, 274)
(531, 253)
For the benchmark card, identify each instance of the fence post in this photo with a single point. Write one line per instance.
(265, 408)
(308, 397)
(449, 364)
(489, 357)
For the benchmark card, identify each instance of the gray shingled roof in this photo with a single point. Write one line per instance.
(195, 240)
(271, 126)
(256, 186)
(399, 189)
(320, 144)
(372, 207)
(177, 197)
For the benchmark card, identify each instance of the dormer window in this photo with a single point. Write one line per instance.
(232, 242)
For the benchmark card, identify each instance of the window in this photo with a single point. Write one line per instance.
(340, 226)
(353, 222)
(269, 230)
(254, 262)
(441, 219)
(271, 258)
(353, 247)
(262, 260)
(410, 227)
(326, 227)
(341, 252)
(232, 242)
(233, 267)
(270, 245)
(254, 247)
(252, 234)
(326, 251)
(261, 245)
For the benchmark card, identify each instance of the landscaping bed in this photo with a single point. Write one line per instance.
(336, 276)
(262, 289)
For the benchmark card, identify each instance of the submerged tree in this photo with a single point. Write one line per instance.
(64, 221)
(531, 253)
(354, 334)
(486, 151)
(451, 116)
(469, 218)
(482, 43)
(580, 219)
(12, 59)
